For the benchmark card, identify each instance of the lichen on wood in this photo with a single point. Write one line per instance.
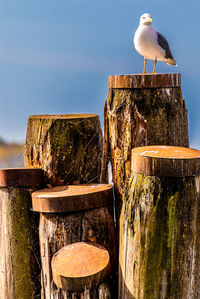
(159, 247)
(68, 147)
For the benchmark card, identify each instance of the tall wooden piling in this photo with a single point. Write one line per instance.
(68, 147)
(159, 225)
(141, 110)
(19, 241)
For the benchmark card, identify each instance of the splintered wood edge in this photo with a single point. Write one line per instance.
(21, 177)
(144, 81)
(80, 265)
(72, 198)
(63, 116)
(166, 161)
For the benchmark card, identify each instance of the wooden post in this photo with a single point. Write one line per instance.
(141, 110)
(80, 265)
(159, 225)
(68, 147)
(70, 214)
(19, 242)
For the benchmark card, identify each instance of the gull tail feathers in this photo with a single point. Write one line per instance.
(172, 62)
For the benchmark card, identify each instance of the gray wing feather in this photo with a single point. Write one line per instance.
(163, 43)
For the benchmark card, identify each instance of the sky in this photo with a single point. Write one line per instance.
(56, 56)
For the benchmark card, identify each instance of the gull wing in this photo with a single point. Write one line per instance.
(163, 43)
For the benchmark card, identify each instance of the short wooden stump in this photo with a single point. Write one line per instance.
(67, 146)
(80, 265)
(159, 225)
(70, 214)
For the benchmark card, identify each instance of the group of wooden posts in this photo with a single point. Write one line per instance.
(58, 237)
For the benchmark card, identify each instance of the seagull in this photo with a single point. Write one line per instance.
(151, 44)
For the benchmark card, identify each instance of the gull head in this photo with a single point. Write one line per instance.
(145, 19)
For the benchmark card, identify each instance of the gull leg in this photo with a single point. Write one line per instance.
(145, 65)
(154, 69)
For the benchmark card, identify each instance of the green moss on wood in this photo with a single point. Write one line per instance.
(24, 243)
(69, 150)
(161, 218)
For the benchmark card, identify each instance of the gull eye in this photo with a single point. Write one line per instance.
(143, 17)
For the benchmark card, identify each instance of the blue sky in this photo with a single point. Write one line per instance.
(55, 56)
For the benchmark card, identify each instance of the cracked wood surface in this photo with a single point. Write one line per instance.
(68, 147)
(137, 117)
(58, 230)
(159, 238)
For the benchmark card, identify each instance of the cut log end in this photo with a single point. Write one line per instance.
(166, 161)
(80, 265)
(171, 152)
(21, 177)
(144, 81)
(63, 116)
(72, 198)
(19, 246)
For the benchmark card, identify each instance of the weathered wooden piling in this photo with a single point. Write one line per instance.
(19, 241)
(159, 225)
(68, 147)
(70, 214)
(141, 110)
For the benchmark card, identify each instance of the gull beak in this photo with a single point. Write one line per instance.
(149, 20)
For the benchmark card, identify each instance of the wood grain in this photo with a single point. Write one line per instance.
(135, 117)
(19, 242)
(61, 229)
(80, 265)
(145, 81)
(67, 147)
(159, 245)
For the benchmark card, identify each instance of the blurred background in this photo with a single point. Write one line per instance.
(56, 56)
